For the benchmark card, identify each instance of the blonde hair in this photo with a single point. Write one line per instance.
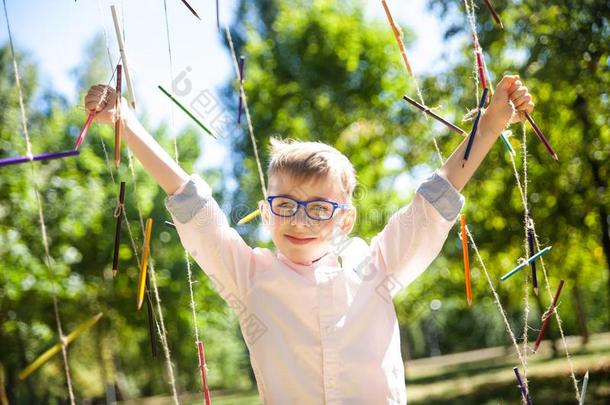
(311, 160)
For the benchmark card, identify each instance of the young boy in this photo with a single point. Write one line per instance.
(317, 315)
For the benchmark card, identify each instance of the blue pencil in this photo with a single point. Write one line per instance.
(527, 263)
(473, 132)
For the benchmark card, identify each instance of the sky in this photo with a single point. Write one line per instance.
(55, 33)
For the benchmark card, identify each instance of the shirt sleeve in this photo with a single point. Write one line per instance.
(216, 247)
(415, 235)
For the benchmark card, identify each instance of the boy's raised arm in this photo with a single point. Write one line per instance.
(510, 98)
(168, 174)
(202, 226)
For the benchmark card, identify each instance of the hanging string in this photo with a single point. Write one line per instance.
(473, 30)
(171, 74)
(557, 317)
(163, 334)
(526, 215)
(495, 294)
(41, 218)
(99, 8)
(160, 322)
(532, 224)
(189, 272)
(547, 284)
(186, 254)
(523, 192)
(496, 297)
(398, 36)
(247, 110)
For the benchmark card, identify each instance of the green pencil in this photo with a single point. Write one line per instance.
(183, 108)
(507, 144)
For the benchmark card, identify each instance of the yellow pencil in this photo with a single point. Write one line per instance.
(43, 358)
(144, 263)
(249, 217)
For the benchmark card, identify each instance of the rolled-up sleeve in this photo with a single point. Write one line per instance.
(415, 235)
(205, 233)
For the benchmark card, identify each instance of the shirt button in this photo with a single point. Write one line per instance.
(331, 382)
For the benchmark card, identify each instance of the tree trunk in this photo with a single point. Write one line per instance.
(581, 314)
(3, 396)
(603, 219)
(581, 107)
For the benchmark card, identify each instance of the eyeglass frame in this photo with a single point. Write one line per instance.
(336, 206)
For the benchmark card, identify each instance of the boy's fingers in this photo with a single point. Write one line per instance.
(507, 82)
(95, 102)
(517, 87)
(518, 102)
(520, 92)
(98, 97)
(526, 105)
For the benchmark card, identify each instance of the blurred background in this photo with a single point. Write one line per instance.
(314, 70)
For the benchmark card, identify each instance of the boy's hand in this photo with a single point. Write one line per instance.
(508, 105)
(101, 100)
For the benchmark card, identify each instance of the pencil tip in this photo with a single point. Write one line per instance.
(114, 273)
(536, 290)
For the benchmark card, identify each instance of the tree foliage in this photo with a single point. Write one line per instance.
(315, 70)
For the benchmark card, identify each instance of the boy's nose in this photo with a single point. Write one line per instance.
(300, 217)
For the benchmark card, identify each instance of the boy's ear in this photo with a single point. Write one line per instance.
(349, 220)
(264, 212)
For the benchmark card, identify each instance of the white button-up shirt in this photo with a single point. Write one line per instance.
(324, 333)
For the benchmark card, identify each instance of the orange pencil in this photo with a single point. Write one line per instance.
(398, 35)
(466, 261)
(144, 263)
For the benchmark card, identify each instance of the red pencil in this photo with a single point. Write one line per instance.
(83, 131)
(493, 13)
(541, 136)
(204, 375)
(480, 65)
(547, 316)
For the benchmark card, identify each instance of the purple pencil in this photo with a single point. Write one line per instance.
(524, 392)
(43, 156)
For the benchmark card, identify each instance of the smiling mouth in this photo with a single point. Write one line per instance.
(299, 241)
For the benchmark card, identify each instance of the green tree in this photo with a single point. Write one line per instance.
(79, 198)
(318, 70)
(560, 49)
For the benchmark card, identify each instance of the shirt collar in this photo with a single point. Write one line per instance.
(329, 260)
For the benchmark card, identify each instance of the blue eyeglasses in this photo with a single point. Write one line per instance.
(319, 210)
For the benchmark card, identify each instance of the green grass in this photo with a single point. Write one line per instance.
(492, 380)
(483, 377)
